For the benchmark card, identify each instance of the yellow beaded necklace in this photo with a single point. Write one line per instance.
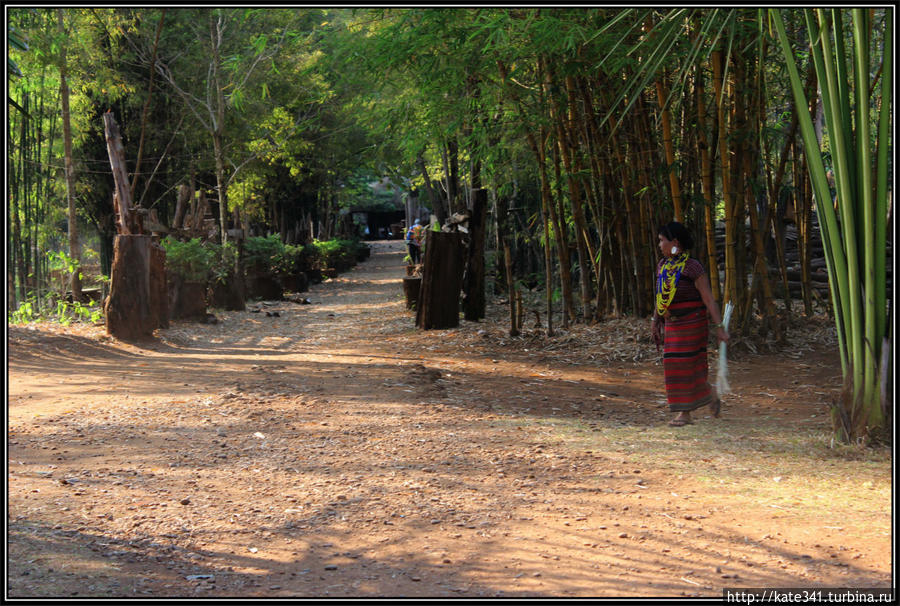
(666, 281)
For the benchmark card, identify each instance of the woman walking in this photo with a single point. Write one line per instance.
(683, 298)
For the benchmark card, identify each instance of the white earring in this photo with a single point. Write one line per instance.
(674, 250)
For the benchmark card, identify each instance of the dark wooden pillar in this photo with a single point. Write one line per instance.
(438, 305)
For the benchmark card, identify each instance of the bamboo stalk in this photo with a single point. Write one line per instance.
(661, 95)
(865, 199)
(861, 410)
(707, 188)
(565, 153)
(845, 199)
(730, 293)
(884, 138)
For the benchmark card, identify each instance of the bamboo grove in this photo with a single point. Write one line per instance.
(587, 127)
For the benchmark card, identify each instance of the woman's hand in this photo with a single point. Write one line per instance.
(702, 284)
(656, 330)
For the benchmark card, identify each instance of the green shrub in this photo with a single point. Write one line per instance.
(265, 253)
(311, 258)
(190, 260)
(340, 254)
(223, 260)
(65, 313)
(297, 259)
(28, 312)
(269, 254)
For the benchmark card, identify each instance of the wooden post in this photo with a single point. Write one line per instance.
(438, 305)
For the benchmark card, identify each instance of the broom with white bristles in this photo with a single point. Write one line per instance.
(722, 386)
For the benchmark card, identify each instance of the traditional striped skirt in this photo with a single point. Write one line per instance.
(684, 358)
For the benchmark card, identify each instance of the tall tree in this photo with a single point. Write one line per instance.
(219, 79)
(74, 244)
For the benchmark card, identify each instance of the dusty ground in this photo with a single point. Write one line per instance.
(334, 450)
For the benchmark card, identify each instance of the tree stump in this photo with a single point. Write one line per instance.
(411, 287)
(159, 298)
(438, 303)
(229, 295)
(264, 285)
(129, 312)
(187, 299)
(296, 282)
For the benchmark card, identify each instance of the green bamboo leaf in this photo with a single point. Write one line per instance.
(259, 44)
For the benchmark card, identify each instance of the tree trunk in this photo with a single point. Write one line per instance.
(19, 247)
(474, 299)
(437, 201)
(562, 227)
(411, 287)
(218, 124)
(453, 177)
(751, 156)
(804, 224)
(740, 179)
(730, 293)
(127, 223)
(708, 188)
(132, 310)
(138, 299)
(662, 95)
(74, 246)
(441, 281)
(565, 150)
(140, 154)
(159, 299)
(181, 206)
(506, 233)
(220, 186)
(547, 215)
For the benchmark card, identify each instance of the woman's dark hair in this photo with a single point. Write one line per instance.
(677, 231)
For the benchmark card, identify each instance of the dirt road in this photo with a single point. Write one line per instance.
(332, 450)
